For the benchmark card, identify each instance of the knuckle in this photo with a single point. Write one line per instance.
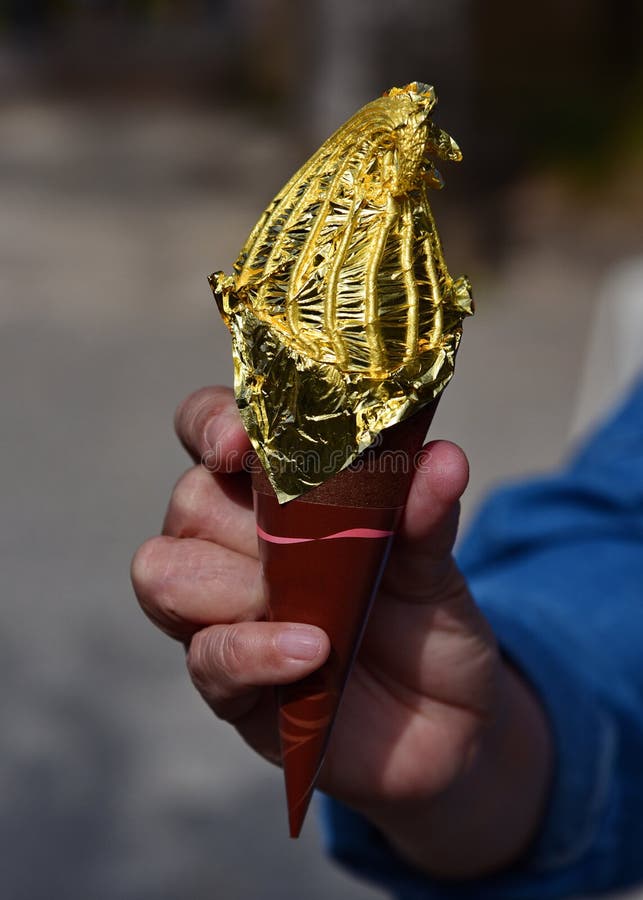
(208, 664)
(214, 655)
(231, 651)
(189, 407)
(193, 413)
(215, 665)
(186, 507)
(144, 566)
(199, 660)
(151, 574)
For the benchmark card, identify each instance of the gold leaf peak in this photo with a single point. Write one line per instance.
(340, 300)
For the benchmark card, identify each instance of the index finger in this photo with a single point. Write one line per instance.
(208, 425)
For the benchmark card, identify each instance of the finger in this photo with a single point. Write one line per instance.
(421, 553)
(215, 508)
(184, 585)
(441, 476)
(230, 663)
(208, 425)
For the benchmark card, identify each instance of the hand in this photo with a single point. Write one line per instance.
(457, 761)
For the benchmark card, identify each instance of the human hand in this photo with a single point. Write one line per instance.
(456, 760)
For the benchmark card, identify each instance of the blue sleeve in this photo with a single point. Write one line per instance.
(556, 564)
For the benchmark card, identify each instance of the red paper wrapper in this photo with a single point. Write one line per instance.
(323, 556)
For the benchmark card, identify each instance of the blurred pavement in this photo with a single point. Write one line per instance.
(116, 780)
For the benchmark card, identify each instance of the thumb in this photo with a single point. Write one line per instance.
(425, 631)
(421, 556)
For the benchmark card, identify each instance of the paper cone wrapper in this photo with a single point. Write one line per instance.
(322, 557)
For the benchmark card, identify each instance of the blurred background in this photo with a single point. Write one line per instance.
(139, 141)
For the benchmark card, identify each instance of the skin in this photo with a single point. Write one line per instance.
(456, 768)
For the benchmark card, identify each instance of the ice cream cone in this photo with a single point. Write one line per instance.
(345, 324)
(323, 556)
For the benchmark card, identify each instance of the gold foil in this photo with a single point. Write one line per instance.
(344, 318)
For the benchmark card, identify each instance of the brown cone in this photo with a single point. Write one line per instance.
(312, 575)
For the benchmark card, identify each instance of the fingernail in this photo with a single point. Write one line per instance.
(299, 643)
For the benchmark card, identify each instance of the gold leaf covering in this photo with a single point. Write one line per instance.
(344, 318)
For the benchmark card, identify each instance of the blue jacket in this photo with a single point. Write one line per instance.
(556, 564)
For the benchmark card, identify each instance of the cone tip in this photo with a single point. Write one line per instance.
(297, 813)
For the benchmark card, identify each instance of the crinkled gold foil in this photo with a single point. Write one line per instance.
(344, 318)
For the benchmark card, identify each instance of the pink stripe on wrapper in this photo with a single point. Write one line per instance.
(357, 533)
(368, 533)
(275, 539)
